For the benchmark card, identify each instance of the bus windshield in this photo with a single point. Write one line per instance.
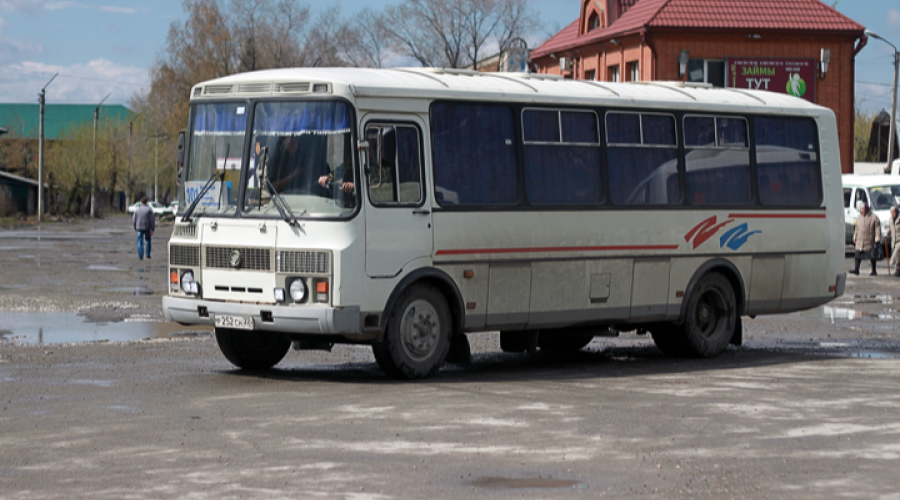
(217, 142)
(301, 153)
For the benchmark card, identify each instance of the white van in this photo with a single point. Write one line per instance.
(881, 192)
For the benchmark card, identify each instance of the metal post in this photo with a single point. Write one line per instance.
(94, 171)
(41, 100)
(128, 172)
(893, 128)
(156, 172)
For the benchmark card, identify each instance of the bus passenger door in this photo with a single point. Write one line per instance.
(398, 220)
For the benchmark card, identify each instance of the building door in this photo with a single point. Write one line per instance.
(398, 219)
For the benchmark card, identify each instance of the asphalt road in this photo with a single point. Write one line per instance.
(808, 408)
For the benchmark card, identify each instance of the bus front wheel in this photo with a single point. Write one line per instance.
(252, 350)
(417, 337)
(709, 323)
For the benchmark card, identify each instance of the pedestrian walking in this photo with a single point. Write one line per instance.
(145, 224)
(893, 237)
(866, 235)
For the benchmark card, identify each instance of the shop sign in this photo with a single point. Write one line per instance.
(796, 77)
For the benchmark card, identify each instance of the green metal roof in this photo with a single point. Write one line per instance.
(22, 119)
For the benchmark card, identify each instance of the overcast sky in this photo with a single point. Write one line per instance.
(108, 46)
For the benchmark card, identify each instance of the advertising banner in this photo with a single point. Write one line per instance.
(796, 77)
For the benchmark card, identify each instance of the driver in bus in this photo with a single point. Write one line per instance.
(295, 170)
(346, 176)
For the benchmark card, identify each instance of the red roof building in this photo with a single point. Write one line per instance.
(800, 47)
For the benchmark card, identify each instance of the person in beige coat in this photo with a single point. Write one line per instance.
(866, 235)
(893, 237)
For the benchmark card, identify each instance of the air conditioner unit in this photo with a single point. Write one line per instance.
(565, 64)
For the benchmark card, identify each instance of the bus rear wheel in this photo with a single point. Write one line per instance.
(252, 350)
(709, 323)
(417, 337)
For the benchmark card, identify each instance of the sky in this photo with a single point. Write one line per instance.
(108, 46)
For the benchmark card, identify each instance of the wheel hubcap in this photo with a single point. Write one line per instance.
(420, 329)
(711, 311)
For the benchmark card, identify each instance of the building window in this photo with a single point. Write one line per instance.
(710, 71)
(590, 75)
(612, 73)
(593, 22)
(634, 74)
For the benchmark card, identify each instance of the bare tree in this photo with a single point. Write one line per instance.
(367, 42)
(456, 33)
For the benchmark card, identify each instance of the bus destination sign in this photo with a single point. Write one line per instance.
(796, 77)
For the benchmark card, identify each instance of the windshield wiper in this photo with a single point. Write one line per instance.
(280, 203)
(209, 183)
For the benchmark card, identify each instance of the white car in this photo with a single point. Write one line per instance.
(158, 208)
(881, 192)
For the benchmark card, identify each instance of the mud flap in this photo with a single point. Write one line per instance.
(737, 338)
(460, 352)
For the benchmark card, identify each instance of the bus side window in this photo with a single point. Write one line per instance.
(395, 166)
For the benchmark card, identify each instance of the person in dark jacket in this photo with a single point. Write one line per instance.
(144, 223)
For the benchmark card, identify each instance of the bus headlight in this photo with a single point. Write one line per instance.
(188, 285)
(298, 290)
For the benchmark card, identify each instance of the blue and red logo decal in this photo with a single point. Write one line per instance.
(734, 238)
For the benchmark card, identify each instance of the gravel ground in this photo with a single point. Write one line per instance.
(807, 408)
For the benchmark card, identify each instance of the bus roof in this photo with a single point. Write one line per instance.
(436, 83)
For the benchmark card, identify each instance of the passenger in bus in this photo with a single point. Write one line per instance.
(893, 236)
(866, 235)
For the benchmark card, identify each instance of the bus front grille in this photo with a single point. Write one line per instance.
(180, 255)
(303, 262)
(252, 259)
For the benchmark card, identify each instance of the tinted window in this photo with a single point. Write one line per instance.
(541, 126)
(474, 154)
(640, 171)
(561, 173)
(787, 162)
(623, 128)
(579, 127)
(717, 161)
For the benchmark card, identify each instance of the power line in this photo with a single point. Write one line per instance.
(123, 82)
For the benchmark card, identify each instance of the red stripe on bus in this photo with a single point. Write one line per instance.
(777, 216)
(555, 249)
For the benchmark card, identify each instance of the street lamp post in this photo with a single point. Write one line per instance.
(893, 124)
(94, 173)
(40, 200)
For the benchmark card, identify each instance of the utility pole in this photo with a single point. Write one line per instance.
(893, 125)
(128, 172)
(156, 172)
(94, 174)
(41, 98)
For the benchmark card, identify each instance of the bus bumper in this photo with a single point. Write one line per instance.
(310, 320)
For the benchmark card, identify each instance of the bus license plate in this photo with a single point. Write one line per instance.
(236, 322)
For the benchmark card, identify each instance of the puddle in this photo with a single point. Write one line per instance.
(57, 328)
(875, 355)
(105, 268)
(527, 482)
(129, 290)
(846, 313)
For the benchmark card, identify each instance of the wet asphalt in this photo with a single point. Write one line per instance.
(100, 399)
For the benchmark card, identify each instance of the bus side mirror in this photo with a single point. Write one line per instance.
(181, 148)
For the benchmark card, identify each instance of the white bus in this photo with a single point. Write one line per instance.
(405, 208)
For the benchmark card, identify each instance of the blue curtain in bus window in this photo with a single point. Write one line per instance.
(579, 127)
(224, 119)
(732, 132)
(408, 165)
(787, 163)
(474, 154)
(699, 131)
(540, 126)
(643, 176)
(297, 118)
(659, 130)
(623, 128)
(562, 175)
(718, 176)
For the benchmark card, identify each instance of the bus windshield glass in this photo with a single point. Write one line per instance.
(302, 154)
(217, 143)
